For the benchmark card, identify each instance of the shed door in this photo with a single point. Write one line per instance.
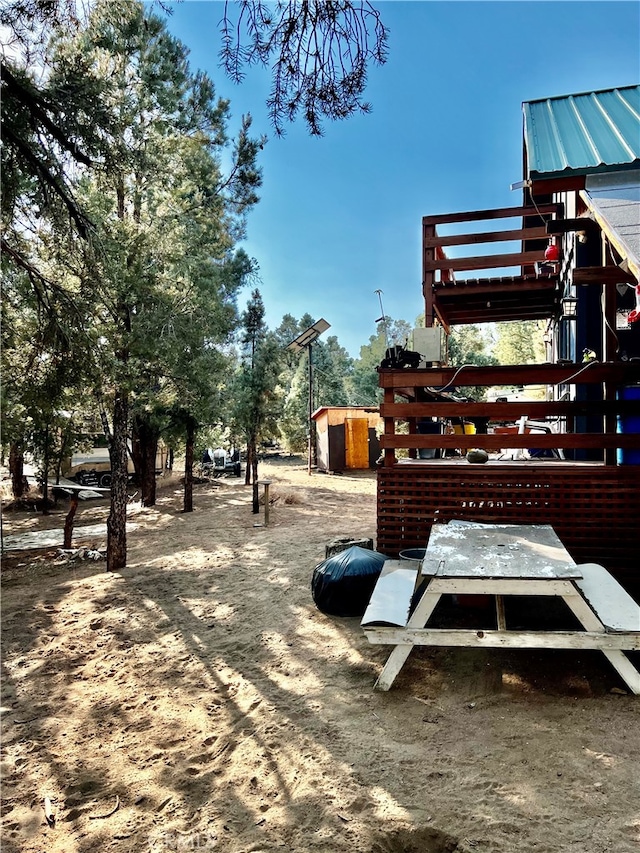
(356, 437)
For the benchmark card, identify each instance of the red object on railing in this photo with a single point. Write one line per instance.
(551, 253)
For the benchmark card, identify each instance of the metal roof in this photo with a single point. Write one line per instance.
(582, 134)
(614, 201)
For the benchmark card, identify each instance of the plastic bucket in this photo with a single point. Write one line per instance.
(413, 554)
(428, 427)
(469, 429)
(628, 423)
(464, 429)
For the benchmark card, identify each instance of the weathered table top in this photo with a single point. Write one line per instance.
(522, 551)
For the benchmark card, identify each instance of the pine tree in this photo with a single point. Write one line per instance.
(161, 262)
(520, 342)
(254, 389)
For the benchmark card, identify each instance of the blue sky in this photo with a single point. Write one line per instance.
(340, 216)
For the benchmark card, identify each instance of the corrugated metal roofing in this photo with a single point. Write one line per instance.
(582, 134)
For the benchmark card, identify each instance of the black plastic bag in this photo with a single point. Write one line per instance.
(342, 585)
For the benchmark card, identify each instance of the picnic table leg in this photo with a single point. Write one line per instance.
(393, 666)
(398, 656)
(501, 619)
(626, 670)
(617, 658)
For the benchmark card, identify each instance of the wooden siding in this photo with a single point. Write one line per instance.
(593, 508)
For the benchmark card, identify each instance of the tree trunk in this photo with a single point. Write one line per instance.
(45, 476)
(68, 522)
(19, 483)
(170, 459)
(144, 448)
(249, 463)
(117, 521)
(254, 475)
(188, 466)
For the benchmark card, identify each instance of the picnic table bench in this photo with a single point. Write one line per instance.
(500, 560)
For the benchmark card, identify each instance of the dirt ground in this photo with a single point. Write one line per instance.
(198, 700)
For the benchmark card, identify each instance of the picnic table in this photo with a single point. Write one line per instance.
(466, 558)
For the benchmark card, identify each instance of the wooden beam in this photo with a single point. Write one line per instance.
(389, 429)
(499, 281)
(602, 275)
(546, 186)
(442, 319)
(542, 441)
(490, 638)
(488, 237)
(491, 315)
(533, 409)
(495, 287)
(618, 372)
(497, 213)
(511, 259)
(565, 226)
(428, 276)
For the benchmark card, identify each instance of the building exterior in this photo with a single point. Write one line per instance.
(347, 437)
(574, 265)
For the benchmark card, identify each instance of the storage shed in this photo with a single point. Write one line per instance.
(346, 437)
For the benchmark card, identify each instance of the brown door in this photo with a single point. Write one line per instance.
(356, 436)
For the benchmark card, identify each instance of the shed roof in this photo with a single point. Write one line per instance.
(582, 134)
(371, 410)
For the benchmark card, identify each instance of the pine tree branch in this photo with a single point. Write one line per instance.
(36, 105)
(47, 177)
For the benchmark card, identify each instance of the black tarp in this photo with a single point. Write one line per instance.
(342, 585)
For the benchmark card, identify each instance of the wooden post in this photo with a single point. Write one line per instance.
(266, 484)
(389, 429)
(428, 276)
(413, 429)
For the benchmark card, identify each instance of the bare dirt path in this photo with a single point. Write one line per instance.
(198, 700)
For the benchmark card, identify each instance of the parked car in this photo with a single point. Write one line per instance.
(221, 461)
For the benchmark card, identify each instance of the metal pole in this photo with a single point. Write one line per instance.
(310, 408)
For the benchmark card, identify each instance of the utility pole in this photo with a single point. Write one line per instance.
(305, 341)
(311, 431)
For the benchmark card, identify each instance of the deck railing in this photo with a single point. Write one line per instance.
(440, 273)
(605, 425)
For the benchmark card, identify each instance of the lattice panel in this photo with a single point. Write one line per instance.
(595, 510)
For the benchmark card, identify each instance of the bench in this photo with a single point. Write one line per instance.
(611, 603)
(390, 602)
(619, 615)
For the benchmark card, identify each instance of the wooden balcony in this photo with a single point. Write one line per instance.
(527, 294)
